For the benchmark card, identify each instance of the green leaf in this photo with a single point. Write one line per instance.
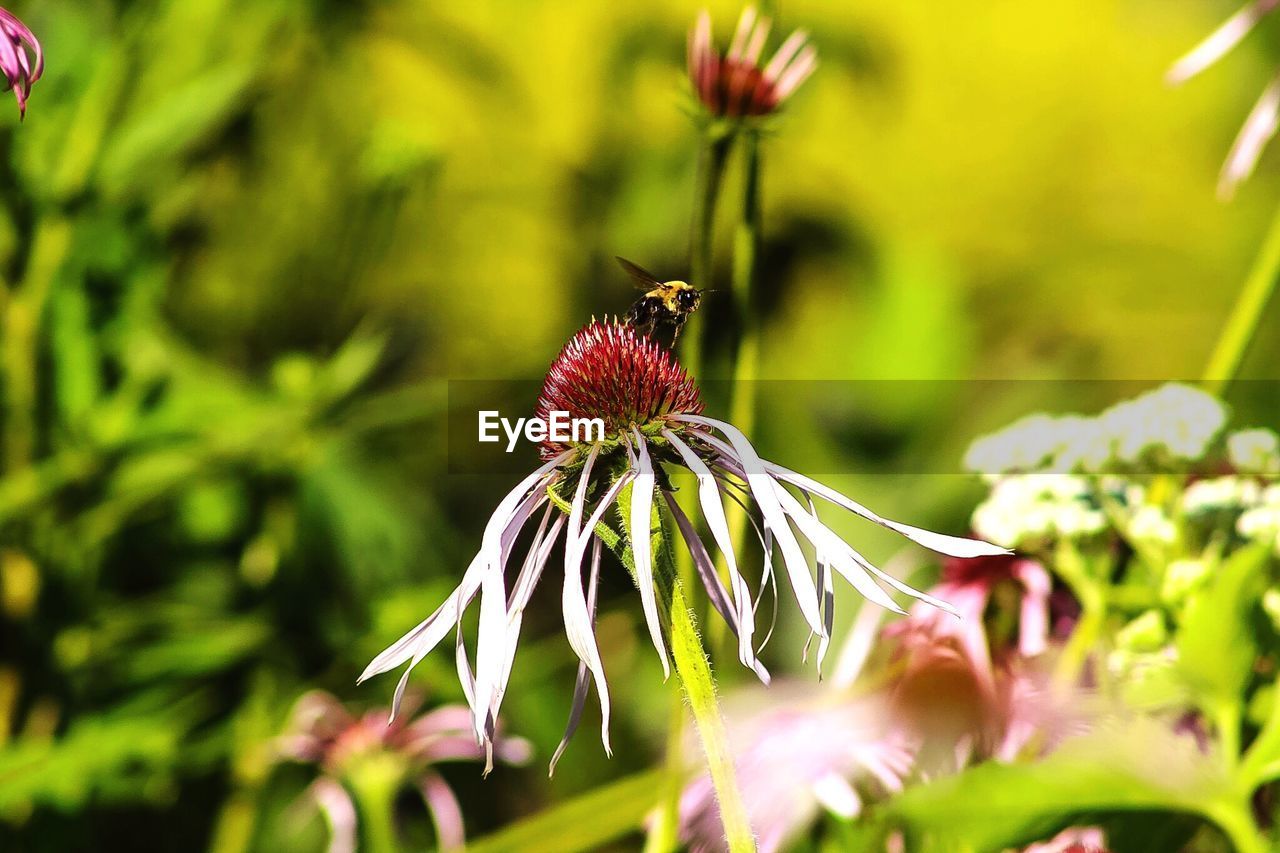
(583, 823)
(171, 126)
(108, 756)
(1216, 644)
(1123, 766)
(75, 353)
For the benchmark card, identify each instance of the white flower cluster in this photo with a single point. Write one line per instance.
(1175, 420)
(1255, 451)
(1261, 522)
(1073, 477)
(1229, 494)
(1173, 423)
(1030, 509)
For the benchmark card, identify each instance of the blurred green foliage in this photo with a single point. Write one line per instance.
(243, 245)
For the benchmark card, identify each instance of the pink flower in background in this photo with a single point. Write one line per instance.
(1089, 839)
(734, 84)
(958, 702)
(321, 731)
(20, 57)
(967, 585)
(1261, 125)
(797, 752)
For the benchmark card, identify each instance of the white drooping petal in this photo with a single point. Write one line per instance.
(953, 546)
(539, 552)
(762, 489)
(836, 549)
(848, 561)
(521, 591)
(492, 545)
(463, 666)
(1220, 40)
(575, 715)
(491, 646)
(416, 644)
(577, 620)
(642, 545)
(1257, 131)
(578, 628)
(826, 587)
(580, 683)
(428, 633)
(716, 593)
(713, 513)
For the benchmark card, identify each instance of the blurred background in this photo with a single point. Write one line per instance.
(246, 246)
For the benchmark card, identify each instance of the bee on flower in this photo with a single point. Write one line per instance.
(654, 426)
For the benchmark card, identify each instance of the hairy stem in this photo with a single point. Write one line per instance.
(1246, 315)
(694, 671)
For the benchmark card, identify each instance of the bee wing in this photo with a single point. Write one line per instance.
(643, 279)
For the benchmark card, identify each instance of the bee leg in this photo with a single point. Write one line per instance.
(675, 334)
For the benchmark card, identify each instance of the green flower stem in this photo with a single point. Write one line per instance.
(373, 785)
(1246, 315)
(1073, 568)
(1235, 819)
(692, 666)
(711, 161)
(694, 671)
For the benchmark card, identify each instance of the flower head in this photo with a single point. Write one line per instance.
(607, 371)
(653, 414)
(1264, 119)
(733, 84)
(21, 58)
(321, 731)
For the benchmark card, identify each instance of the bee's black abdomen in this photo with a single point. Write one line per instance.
(644, 312)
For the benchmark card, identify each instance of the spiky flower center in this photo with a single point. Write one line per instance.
(741, 89)
(609, 371)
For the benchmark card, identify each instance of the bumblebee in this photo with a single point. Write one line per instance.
(665, 303)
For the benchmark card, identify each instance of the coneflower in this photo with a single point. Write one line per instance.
(322, 732)
(20, 68)
(734, 84)
(654, 424)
